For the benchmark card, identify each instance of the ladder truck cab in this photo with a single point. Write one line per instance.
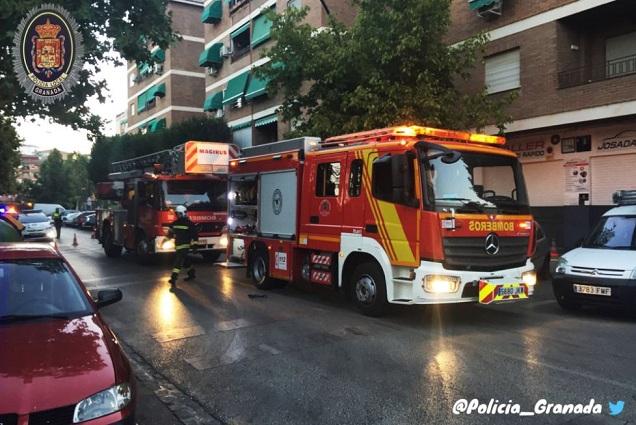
(149, 188)
(403, 215)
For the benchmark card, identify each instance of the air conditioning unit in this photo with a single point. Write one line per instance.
(490, 10)
(226, 51)
(212, 71)
(238, 104)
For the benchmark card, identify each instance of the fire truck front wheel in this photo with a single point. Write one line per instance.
(259, 269)
(369, 289)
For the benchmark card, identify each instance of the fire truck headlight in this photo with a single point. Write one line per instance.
(168, 244)
(223, 241)
(529, 278)
(441, 284)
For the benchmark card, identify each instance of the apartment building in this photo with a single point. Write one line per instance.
(172, 90)
(236, 34)
(573, 66)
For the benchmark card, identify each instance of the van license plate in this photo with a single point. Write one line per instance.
(593, 290)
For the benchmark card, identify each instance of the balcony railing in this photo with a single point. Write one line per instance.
(604, 71)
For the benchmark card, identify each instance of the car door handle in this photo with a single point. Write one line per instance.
(371, 228)
(314, 219)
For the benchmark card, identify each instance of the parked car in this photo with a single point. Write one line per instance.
(61, 363)
(67, 213)
(89, 221)
(541, 257)
(603, 269)
(81, 217)
(67, 219)
(37, 226)
(48, 209)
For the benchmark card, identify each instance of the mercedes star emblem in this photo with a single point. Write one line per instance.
(492, 244)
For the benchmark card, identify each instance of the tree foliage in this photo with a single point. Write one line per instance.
(9, 156)
(110, 149)
(392, 66)
(127, 26)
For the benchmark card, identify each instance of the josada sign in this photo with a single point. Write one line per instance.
(46, 53)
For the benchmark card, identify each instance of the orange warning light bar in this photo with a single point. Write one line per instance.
(392, 133)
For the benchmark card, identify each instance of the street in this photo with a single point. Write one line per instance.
(210, 353)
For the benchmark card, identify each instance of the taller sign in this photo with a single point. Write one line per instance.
(47, 52)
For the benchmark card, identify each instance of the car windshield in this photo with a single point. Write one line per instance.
(475, 183)
(43, 288)
(613, 232)
(33, 218)
(201, 195)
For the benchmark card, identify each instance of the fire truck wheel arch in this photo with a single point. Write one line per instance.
(357, 249)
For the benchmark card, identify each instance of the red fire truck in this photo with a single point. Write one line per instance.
(404, 215)
(147, 190)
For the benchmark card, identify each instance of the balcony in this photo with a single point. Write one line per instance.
(599, 72)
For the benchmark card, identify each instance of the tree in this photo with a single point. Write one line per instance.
(392, 66)
(52, 182)
(128, 27)
(117, 148)
(9, 156)
(80, 186)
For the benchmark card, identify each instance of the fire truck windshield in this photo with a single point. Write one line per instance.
(196, 195)
(476, 182)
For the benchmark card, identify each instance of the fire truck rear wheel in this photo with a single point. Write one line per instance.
(369, 289)
(259, 268)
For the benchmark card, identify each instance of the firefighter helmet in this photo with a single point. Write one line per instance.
(181, 211)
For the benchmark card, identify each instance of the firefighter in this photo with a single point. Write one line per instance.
(185, 234)
(57, 222)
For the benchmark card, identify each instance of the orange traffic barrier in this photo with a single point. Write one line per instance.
(75, 239)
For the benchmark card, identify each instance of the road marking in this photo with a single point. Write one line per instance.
(230, 325)
(269, 349)
(180, 333)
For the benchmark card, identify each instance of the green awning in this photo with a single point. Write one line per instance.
(144, 69)
(158, 55)
(261, 31)
(241, 126)
(240, 30)
(257, 87)
(157, 90)
(156, 125)
(213, 102)
(235, 88)
(211, 56)
(266, 120)
(142, 99)
(478, 4)
(213, 13)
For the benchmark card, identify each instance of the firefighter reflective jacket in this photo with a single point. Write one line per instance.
(184, 232)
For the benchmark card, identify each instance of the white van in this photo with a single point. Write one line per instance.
(603, 269)
(48, 209)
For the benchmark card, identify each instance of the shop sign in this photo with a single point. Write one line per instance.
(622, 142)
(531, 150)
(577, 180)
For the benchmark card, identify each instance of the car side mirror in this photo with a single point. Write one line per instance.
(108, 296)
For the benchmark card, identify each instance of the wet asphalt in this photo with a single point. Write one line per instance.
(210, 353)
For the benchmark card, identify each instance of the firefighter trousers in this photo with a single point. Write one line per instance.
(182, 261)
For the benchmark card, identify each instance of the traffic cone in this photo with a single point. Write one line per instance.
(93, 233)
(554, 254)
(75, 239)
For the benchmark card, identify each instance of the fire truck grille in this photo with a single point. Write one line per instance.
(215, 228)
(470, 254)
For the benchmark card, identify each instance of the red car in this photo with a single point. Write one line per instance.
(59, 361)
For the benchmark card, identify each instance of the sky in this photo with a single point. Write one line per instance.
(42, 135)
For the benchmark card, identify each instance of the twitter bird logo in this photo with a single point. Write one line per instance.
(615, 409)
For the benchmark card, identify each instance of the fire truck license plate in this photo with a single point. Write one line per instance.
(511, 290)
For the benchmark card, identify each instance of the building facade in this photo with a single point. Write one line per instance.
(173, 89)
(236, 34)
(572, 64)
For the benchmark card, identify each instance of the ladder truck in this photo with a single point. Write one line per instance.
(147, 190)
(402, 215)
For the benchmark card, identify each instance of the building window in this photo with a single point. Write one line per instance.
(620, 55)
(295, 3)
(503, 71)
(328, 179)
(131, 79)
(242, 137)
(241, 40)
(236, 4)
(132, 109)
(355, 178)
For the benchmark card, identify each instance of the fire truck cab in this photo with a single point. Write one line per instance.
(403, 215)
(149, 188)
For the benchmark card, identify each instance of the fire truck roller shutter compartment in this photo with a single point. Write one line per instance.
(277, 204)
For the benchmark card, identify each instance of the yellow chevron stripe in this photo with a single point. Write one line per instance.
(397, 236)
(485, 291)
